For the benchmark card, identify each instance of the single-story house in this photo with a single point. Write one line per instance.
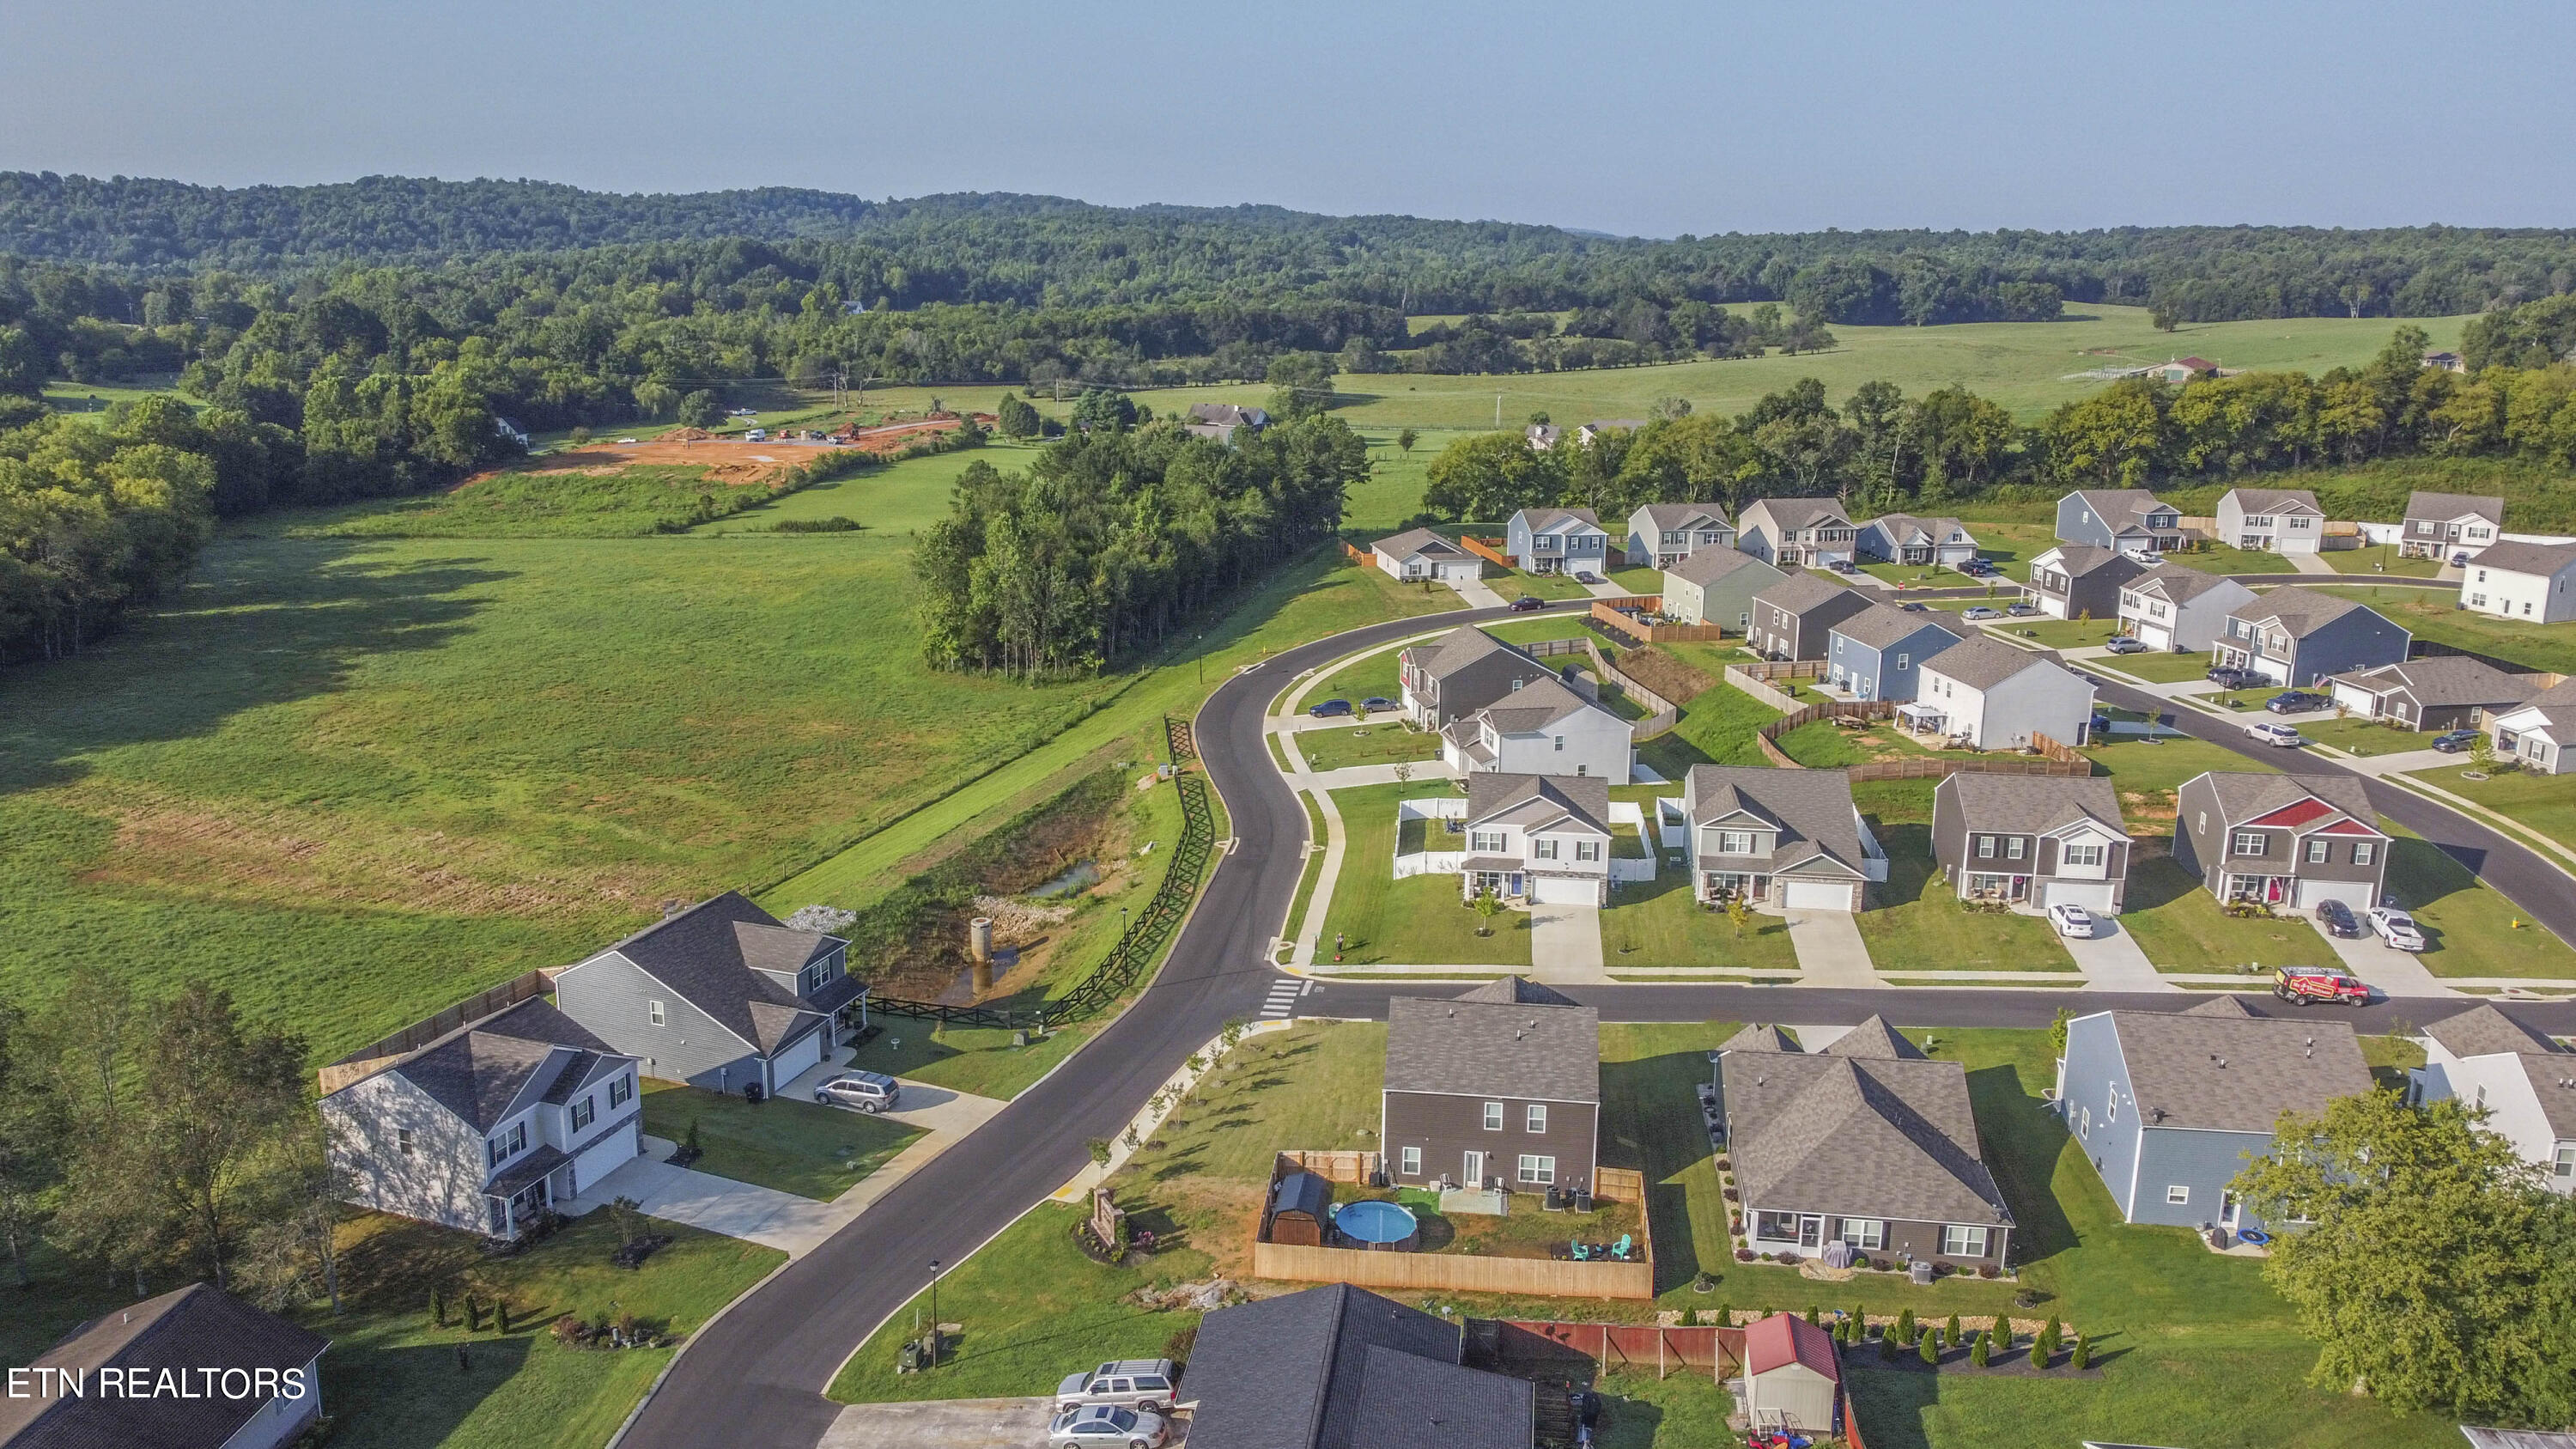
(2522, 581)
(1717, 586)
(2296, 637)
(2043, 839)
(2180, 609)
(2284, 841)
(2271, 520)
(1339, 1367)
(1540, 838)
(2180, 369)
(198, 1369)
(1418, 553)
(1902, 538)
(1545, 729)
(1811, 532)
(2168, 1106)
(1794, 618)
(1500, 1087)
(2080, 580)
(1873, 653)
(2539, 731)
(1461, 672)
(1663, 534)
(1222, 421)
(1787, 837)
(2130, 519)
(1558, 541)
(2440, 692)
(1996, 697)
(2524, 1081)
(2439, 525)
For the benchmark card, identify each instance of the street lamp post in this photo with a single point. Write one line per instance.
(934, 1313)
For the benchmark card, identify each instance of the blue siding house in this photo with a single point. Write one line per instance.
(1874, 653)
(2169, 1107)
(1558, 541)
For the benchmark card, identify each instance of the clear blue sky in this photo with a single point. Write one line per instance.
(1629, 117)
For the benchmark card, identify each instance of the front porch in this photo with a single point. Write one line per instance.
(2274, 891)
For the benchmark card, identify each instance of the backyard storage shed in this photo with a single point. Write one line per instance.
(1791, 1378)
(1301, 1206)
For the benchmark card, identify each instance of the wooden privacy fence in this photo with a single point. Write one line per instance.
(1772, 670)
(1451, 1272)
(366, 1061)
(1615, 613)
(1552, 1348)
(1331, 1166)
(1752, 684)
(1487, 549)
(1666, 713)
(1365, 558)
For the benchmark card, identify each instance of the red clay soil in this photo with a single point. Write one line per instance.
(729, 460)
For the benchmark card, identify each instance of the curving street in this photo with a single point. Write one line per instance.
(756, 1375)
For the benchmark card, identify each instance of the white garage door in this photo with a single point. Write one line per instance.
(1818, 895)
(804, 1052)
(605, 1156)
(1565, 890)
(1469, 570)
(2154, 636)
(2353, 893)
(2052, 607)
(2092, 895)
(2359, 701)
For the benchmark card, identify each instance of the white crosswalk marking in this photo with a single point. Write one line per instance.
(1282, 1001)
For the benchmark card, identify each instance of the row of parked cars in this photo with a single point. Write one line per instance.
(1126, 1403)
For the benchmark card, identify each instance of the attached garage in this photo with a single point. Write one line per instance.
(2092, 895)
(795, 1057)
(2049, 604)
(2360, 701)
(606, 1155)
(1820, 895)
(1565, 890)
(2154, 636)
(2353, 893)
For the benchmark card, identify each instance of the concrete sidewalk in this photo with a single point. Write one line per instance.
(1830, 950)
(1352, 777)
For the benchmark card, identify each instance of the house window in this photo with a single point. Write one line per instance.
(1537, 1169)
(2200, 823)
(583, 1112)
(653, 1012)
(2564, 1164)
(2177, 1195)
(1735, 842)
(2248, 842)
(2085, 854)
(620, 1092)
(1904, 661)
(403, 1141)
(1962, 1242)
(1409, 1162)
(817, 976)
(1493, 1116)
(2084, 1122)
(1537, 1119)
(1985, 847)
(1587, 850)
(2111, 1104)
(1543, 849)
(509, 1144)
(1867, 1234)
(2012, 848)
(2363, 852)
(1778, 1227)
(1484, 841)
(1560, 744)
(2318, 850)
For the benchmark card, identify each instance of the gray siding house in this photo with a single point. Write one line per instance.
(1794, 618)
(1661, 535)
(2168, 1108)
(266, 1389)
(2081, 580)
(1500, 1087)
(1558, 541)
(2035, 838)
(2284, 841)
(1812, 532)
(2130, 519)
(1791, 838)
(1866, 1143)
(2299, 637)
(1460, 673)
(720, 996)
(2443, 692)
(1873, 653)
(1903, 538)
(2180, 609)
(1717, 586)
(2439, 525)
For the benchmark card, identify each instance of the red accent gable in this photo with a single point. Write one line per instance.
(1785, 1338)
(2344, 827)
(2298, 812)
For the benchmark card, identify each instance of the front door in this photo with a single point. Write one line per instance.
(1472, 1169)
(1811, 1232)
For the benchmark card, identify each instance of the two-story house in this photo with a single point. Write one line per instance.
(194, 1368)
(2271, 520)
(719, 995)
(1786, 838)
(1500, 1087)
(2443, 525)
(1420, 554)
(1545, 729)
(2180, 609)
(2132, 520)
(1902, 538)
(488, 1126)
(2296, 637)
(2443, 692)
(2082, 580)
(2525, 1082)
(1811, 532)
(1540, 838)
(1795, 618)
(1717, 586)
(1558, 541)
(1873, 653)
(2283, 841)
(2168, 1107)
(2525, 582)
(2040, 839)
(1867, 1143)
(1991, 696)
(1459, 673)
(2538, 732)
(1661, 535)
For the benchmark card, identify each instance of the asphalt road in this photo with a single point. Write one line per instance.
(755, 1377)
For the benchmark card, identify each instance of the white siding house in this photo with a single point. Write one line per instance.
(1543, 729)
(1998, 697)
(2522, 581)
(2181, 609)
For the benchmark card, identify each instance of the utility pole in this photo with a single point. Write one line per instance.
(1498, 412)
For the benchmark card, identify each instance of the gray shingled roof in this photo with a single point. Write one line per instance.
(2553, 1083)
(1518, 991)
(1680, 515)
(1493, 1049)
(1874, 1038)
(2273, 500)
(2176, 583)
(478, 1070)
(2482, 1031)
(1533, 800)
(1813, 809)
(1452, 651)
(2544, 559)
(2300, 611)
(1706, 566)
(2444, 507)
(1883, 626)
(1801, 591)
(704, 954)
(2225, 1004)
(1759, 1039)
(1291, 1373)
(2236, 1075)
(1904, 526)
(1983, 662)
(1542, 519)
(2079, 560)
(1862, 1136)
(1534, 706)
(187, 1330)
(2032, 804)
(1799, 512)
(2243, 794)
(1417, 540)
(1411, 1402)
(2448, 679)
(1232, 415)
(2121, 504)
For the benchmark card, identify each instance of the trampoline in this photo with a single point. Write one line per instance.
(2254, 1236)
(1375, 1223)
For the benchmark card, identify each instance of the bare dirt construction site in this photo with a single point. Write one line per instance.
(726, 459)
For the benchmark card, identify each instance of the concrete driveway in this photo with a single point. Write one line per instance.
(1830, 949)
(1565, 945)
(2112, 960)
(763, 1215)
(953, 1424)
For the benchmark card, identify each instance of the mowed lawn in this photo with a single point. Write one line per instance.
(795, 1146)
(1417, 921)
(2435, 614)
(1658, 925)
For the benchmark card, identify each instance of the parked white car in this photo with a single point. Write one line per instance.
(1106, 1424)
(861, 1091)
(2267, 732)
(1138, 1383)
(2071, 919)
(2397, 930)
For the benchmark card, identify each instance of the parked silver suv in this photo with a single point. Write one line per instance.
(1136, 1383)
(864, 1091)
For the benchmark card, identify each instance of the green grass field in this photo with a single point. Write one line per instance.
(805, 1148)
(1417, 921)
(2435, 614)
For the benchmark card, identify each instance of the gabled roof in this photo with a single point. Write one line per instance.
(1800, 592)
(1798, 512)
(1292, 1373)
(2032, 804)
(1233, 415)
(1984, 662)
(1812, 809)
(2274, 500)
(2451, 507)
(2553, 1084)
(1683, 515)
(1883, 626)
(1535, 802)
(2116, 504)
(2300, 611)
(2177, 584)
(1493, 1049)
(1874, 1038)
(1785, 1338)
(2545, 560)
(1417, 543)
(2237, 1075)
(482, 1070)
(2079, 560)
(2227, 1005)
(1912, 528)
(2242, 795)
(2445, 680)
(714, 955)
(1707, 565)
(1518, 991)
(2556, 704)
(187, 1331)
(1560, 520)
(1411, 1402)
(1453, 651)
(1867, 1136)
(1533, 706)
(2483, 1031)
(1759, 1039)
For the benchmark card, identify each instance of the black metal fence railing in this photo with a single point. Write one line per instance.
(1135, 948)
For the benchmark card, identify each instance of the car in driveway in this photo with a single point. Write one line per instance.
(2296, 701)
(1099, 1424)
(2331, 984)
(859, 1091)
(1376, 702)
(1527, 603)
(2460, 560)
(1136, 1383)
(2336, 919)
(2396, 930)
(2071, 920)
(1331, 709)
(1981, 612)
(2227, 678)
(2451, 742)
(2126, 644)
(2269, 732)
(1586, 576)
(1841, 566)
(1916, 608)
(2022, 610)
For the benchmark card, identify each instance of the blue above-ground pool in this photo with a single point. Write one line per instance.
(1376, 1223)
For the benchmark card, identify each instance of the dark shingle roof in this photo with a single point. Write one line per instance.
(2119, 505)
(192, 1329)
(1532, 800)
(2450, 679)
(1678, 515)
(1535, 706)
(2240, 1075)
(1706, 566)
(2274, 500)
(2444, 507)
(1291, 1373)
(1518, 991)
(1494, 1049)
(1417, 540)
(2225, 1005)
(2543, 559)
(1411, 1402)
(2242, 794)
(1542, 519)
(1453, 651)
(1799, 512)
(1867, 1136)
(1812, 808)
(2079, 560)
(2482, 1031)
(1759, 1039)
(2553, 1084)
(1800, 592)
(704, 954)
(2032, 804)
(1873, 1038)
(2176, 583)
(2300, 611)
(478, 1070)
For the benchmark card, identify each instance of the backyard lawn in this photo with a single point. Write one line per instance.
(1556, 624)
(2156, 666)
(2011, 546)
(2380, 560)
(2182, 928)
(2542, 803)
(794, 1146)
(1655, 925)
(1383, 743)
(2148, 770)
(1417, 921)
(1716, 728)
(2219, 559)
(2435, 614)
(1918, 923)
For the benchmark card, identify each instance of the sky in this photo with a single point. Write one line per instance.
(1636, 118)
